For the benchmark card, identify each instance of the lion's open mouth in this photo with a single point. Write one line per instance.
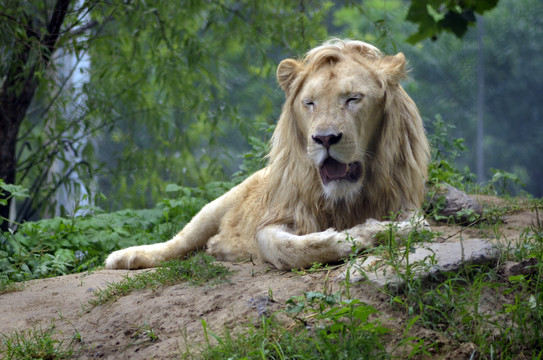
(331, 170)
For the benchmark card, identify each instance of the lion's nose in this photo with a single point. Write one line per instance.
(327, 140)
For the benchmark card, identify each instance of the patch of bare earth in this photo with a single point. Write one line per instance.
(175, 313)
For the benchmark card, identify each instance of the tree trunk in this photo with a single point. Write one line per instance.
(480, 102)
(8, 137)
(19, 87)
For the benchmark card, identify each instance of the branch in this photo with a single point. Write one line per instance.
(53, 27)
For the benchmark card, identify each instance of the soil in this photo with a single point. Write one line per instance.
(175, 313)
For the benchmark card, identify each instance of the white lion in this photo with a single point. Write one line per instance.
(348, 149)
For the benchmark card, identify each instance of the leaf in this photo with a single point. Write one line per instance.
(295, 309)
(363, 312)
(436, 16)
(15, 190)
(516, 278)
(457, 23)
(481, 6)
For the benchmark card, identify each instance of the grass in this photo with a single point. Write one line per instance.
(501, 315)
(141, 335)
(323, 326)
(196, 270)
(36, 343)
(7, 286)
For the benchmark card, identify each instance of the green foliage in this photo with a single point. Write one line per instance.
(191, 83)
(9, 191)
(254, 159)
(8, 286)
(161, 93)
(61, 246)
(315, 267)
(442, 168)
(446, 83)
(503, 182)
(197, 270)
(380, 23)
(13, 190)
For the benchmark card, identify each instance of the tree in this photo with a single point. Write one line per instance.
(28, 44)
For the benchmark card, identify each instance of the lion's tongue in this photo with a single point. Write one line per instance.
(333, 169)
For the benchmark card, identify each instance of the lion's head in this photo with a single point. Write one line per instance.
(349, 144)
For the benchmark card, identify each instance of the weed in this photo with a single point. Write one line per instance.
(442, 168)
(523, 328)
(315, 267)
(502, 317)
(141, 335)
(503, 182)
(328, 327)
(35, 343)
(339, 325)
(8, 286)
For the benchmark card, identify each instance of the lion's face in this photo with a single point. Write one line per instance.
(339, 109)
(349, 144)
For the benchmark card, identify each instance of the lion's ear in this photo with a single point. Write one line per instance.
(286, 73)
(394, 68)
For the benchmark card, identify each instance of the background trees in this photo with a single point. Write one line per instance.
(171, 91)
(445, 74)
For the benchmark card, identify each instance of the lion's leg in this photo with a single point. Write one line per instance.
(194, 236)
(286, 251)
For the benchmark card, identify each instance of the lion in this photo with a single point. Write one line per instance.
(348, 150)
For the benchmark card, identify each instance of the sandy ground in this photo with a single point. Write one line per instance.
(175, 312)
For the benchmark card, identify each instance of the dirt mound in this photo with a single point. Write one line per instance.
(174, 313)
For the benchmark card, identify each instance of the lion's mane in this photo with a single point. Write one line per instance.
(394, 174)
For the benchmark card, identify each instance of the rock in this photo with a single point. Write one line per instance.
(421, 262)
(457, 204)
(512, 268)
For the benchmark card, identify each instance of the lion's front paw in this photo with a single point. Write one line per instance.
(127, 259)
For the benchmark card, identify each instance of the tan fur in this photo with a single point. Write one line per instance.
(285, 214)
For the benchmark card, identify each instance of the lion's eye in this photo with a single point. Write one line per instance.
(308, 103)
(353, 99)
